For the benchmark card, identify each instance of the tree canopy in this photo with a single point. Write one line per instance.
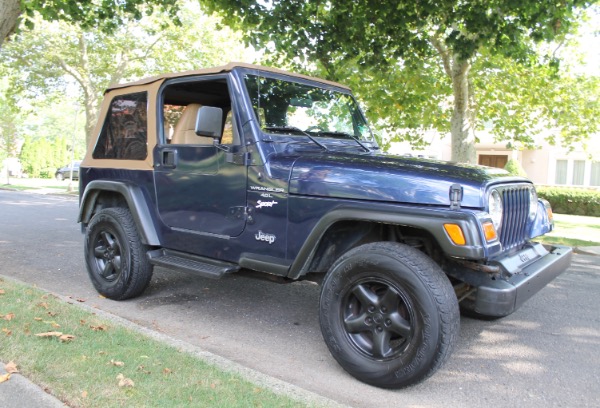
(419, 53)
(55, 74)
(107, 15)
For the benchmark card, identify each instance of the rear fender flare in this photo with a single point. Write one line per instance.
(136, 201)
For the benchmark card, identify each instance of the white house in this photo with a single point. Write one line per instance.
(549, 165)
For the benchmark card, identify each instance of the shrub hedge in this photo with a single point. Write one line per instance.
(573, 201)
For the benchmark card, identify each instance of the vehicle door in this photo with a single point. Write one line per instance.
(200, 184)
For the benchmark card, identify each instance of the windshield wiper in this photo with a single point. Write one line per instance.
(297, 130)
(344, 134)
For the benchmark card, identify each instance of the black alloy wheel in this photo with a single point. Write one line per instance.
(107, 254)
(388, 314)
(378, 318)
(115, 257)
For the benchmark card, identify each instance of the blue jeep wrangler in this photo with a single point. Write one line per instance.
(247, 169)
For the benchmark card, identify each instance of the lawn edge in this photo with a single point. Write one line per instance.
(275, 385)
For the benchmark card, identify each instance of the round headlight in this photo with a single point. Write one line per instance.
(533, 203)
(495, 209)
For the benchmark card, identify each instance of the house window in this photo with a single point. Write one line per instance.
(561, 172)
(492, 160)
(578, 172)
(595, 176)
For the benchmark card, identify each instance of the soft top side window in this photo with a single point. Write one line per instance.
(181, 102)
(124, 133)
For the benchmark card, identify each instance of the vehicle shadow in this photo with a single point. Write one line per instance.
(527, 359)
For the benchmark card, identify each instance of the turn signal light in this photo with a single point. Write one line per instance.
(489, 231)
(455, 233)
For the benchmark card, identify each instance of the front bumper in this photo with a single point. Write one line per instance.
(523, 275)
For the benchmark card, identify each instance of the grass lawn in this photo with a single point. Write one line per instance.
(574, 230)
(87, 361)
(34, 184)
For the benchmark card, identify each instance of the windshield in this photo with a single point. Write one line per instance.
(283, 107)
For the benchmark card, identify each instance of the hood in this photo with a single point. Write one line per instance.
(391, 178)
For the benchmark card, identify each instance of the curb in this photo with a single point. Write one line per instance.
(591, 251)
(277, 386)
(273, 384)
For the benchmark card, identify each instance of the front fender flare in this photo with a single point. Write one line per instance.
(431, 220)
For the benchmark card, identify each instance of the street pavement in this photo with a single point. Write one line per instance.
(19, 392)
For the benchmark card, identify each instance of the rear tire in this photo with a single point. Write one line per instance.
(388, 314)
(115, 258)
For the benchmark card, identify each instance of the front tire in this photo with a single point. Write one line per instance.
(115, 258)
(388, 314)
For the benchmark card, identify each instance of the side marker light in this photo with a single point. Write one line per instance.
(456, 234)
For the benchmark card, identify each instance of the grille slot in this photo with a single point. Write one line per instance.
(515, 202)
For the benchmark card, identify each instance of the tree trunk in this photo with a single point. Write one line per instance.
(462, 126)
(463, 113)
(11, 10)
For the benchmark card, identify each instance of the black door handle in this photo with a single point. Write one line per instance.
(169, 159)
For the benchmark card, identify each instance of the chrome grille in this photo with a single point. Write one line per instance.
(515, 201)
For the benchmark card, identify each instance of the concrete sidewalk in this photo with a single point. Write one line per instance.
(18, 391)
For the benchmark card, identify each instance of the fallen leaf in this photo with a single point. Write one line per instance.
(65, 338)
(98, 328)
(4, 377)
(49, 334)
(84, 394)
(9, 316)
(43, 305)
(2, 292)
(81, 300)
(143, 370)
(52, 314)
(167, 371)
(11, 367)
(102, 297)
(117, 363)
(37, 319)
(124, 381)
(6, 331)
(55, 325)
(82, 322)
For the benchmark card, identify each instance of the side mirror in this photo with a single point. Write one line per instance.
(209, 122)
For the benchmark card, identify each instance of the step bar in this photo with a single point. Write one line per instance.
(205, 267)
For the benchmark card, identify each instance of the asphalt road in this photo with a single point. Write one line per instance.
(547, 354)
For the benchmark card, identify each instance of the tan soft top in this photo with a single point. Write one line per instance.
(223, 68)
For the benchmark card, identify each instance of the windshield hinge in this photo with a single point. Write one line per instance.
(243, 158)
(456, 196)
